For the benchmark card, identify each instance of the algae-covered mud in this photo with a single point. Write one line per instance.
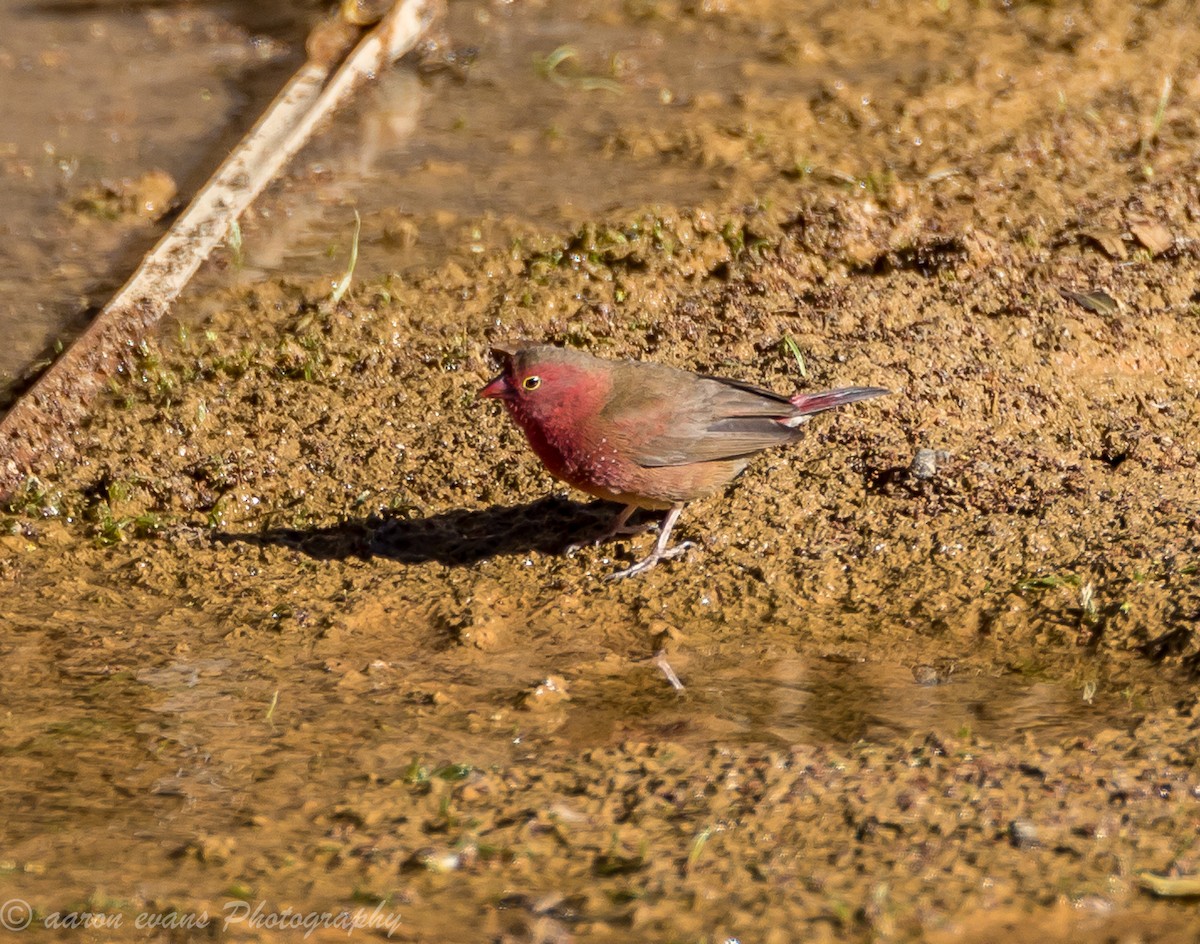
(296, 634)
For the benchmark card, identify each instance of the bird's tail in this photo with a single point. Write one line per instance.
(807, 404)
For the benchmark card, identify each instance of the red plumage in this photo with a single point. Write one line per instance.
(646, 435)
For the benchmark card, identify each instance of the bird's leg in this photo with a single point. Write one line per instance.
(620, 524)
(660, 551)
(618, 527)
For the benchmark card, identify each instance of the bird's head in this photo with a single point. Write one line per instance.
(539, 382)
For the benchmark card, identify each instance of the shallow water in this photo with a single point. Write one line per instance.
(96, 97)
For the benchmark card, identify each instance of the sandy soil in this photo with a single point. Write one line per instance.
(297, 627)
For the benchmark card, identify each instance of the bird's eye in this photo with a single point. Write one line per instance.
(531, 383)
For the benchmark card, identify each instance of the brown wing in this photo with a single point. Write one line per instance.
(672, 417)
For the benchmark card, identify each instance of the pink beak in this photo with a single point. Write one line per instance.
(497, 389)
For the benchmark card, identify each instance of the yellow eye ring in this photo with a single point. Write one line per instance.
(531, 383)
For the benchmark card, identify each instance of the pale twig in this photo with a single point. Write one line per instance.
(39, 424)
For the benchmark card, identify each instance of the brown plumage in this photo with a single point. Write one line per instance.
(646, 435)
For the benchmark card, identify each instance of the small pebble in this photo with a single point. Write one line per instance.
(1022, 833)
(924, 463)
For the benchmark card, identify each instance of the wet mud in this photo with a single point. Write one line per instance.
(112, 114)
(298, 626)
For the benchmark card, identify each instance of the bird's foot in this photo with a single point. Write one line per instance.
(651, 559)
(617, 529)
(606, 536)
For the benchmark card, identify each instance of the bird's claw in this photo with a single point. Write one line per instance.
(681, 548)
(607, 535)
(650, 560)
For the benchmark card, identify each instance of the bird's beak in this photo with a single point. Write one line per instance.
(499, 389)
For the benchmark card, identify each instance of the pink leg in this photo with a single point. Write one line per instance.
(660, 551)
(618, 527)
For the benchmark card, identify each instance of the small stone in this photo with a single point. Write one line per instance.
(924, 464)
(1154, 236)
(1098, 301)
(152, 194)
(1022, 833)
(1109, 242)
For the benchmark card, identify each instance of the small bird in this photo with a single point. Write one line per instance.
(646, 435)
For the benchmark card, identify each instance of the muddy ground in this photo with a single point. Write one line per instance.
(112, 114)
(296, 627)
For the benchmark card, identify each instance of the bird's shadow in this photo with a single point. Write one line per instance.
(456, 537)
